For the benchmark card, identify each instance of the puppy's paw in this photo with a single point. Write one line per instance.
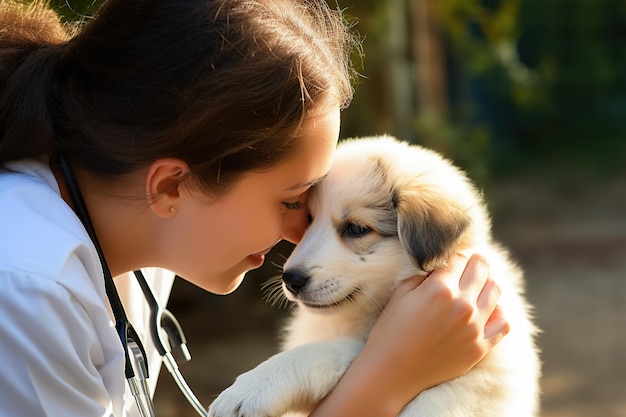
(294, 380)
(252, 395)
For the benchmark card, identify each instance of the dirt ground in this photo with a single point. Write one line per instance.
(568, 234)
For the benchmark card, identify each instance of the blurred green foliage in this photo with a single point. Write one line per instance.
(529, 83)
(533, 84)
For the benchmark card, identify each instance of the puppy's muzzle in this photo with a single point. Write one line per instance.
(295, 281)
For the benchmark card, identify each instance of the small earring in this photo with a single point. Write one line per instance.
(171, 209)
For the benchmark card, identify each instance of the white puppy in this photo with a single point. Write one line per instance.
(386, 211)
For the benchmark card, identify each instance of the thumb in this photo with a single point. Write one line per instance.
(410, 284)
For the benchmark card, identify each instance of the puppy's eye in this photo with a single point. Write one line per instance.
(356, 230)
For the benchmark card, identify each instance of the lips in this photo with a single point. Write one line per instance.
(257, 259)
(266, 250)
(263, 253)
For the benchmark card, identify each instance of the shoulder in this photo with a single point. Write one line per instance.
(41, 235)
(48, 328)
(53, 302)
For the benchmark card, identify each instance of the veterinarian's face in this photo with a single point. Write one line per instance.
(233, 235)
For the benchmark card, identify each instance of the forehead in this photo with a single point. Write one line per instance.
(356, 175)
(311, 158)
(357, 190)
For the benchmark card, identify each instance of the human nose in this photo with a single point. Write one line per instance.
(294, 225)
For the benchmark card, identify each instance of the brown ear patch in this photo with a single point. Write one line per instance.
(429, 226)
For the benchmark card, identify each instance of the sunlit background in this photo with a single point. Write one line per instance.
(529, 96)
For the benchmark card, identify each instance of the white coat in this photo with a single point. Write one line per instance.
(60, 353)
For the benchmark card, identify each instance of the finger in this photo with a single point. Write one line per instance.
(410, 284)
(497, 327)
(452, 272)
(488, 298)
(474, 278)
(405, 288)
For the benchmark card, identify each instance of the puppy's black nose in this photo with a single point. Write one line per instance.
(294, 281)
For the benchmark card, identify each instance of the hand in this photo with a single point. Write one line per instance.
(446, 323)
(432, 330)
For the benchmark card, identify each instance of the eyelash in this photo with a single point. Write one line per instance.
(297, 205)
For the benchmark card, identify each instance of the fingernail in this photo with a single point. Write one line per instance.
(480, 258)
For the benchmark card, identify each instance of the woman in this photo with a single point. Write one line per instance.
(194, 129)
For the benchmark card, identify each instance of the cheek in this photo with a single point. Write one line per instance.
(232, 233)
(204, 237)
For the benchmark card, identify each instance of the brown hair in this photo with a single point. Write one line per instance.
(221, 84)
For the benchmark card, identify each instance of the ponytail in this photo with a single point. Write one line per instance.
(31, 46)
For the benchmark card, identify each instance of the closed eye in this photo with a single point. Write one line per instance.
(296, 205)
(355, 230)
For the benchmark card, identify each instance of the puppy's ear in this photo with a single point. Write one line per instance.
(430, 226)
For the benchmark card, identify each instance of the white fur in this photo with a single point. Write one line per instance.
(384, 185)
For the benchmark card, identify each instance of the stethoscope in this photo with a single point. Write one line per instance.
(165, 329)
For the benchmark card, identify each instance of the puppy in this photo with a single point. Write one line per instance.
(387, 211)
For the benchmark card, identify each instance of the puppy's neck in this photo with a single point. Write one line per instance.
(308, 326)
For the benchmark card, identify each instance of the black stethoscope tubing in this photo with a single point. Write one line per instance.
(160, 318)
(124, 329)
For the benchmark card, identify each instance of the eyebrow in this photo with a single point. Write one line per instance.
(306, 184)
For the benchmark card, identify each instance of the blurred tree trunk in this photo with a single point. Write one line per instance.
(428, 53)
(414, 68)
(399, 71)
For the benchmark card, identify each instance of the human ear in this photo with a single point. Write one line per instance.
(162, 185)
